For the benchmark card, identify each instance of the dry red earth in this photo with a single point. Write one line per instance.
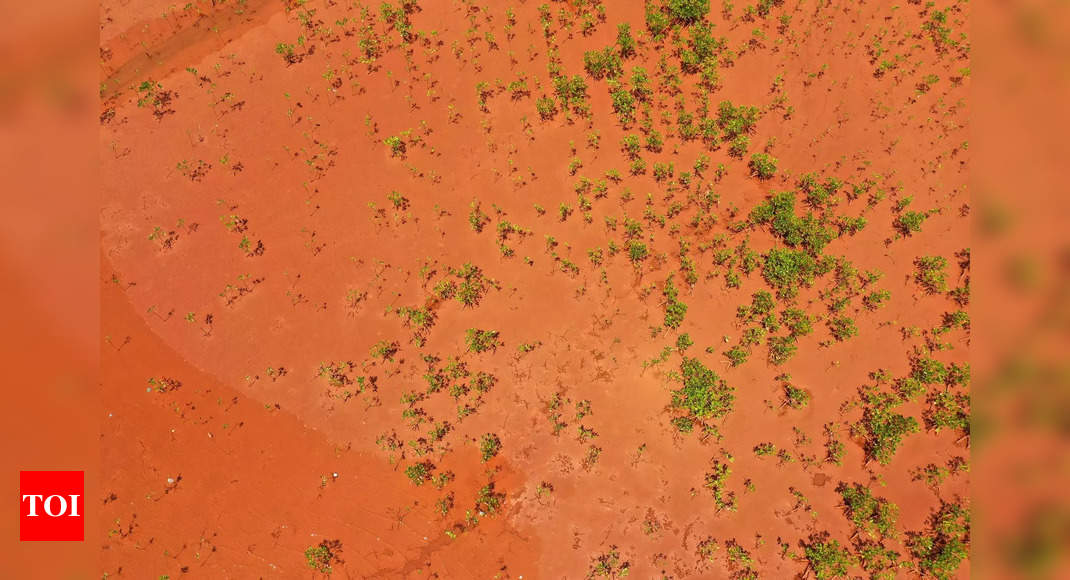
(255, 256)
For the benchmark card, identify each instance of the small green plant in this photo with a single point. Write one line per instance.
(546, 107)
(396, 145)
(765, 450)
(882, 428)
(826, 557)
(762, 165)
(909, 223)
(476, 218)
(489, 446)
(737, 355)
(704, 395)
(842, 328)
(481, 340)
(795, 397)
(384, 349)
(400, 202)
(674, 309)
(930, 274)
(418, 473)
(873, 515)
(940, 551)
(488, 500)
(688, 11)
(637, 251)
(321, 556)
(781, 349)
(609, 565)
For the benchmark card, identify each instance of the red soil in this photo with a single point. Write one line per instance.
(251, 453)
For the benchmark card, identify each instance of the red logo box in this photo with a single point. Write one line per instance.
(51, 506)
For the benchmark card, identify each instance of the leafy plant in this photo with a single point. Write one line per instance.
(869, 513)
(785, 270)
(795, 397)
(321, 556)
(826, 557)
(396, 145)
(948, 410)
(476, 218)
(481, 340)
(883, 428)
(781, 349)
(737, 355)
(688, 11)
(909, 223)
(489, 446)
(609, 565)
(930, 274)
(842, 328)
(940, 551)
(674, 309)
(418, 473)
(637, 251)
(762, 165)
(735, 121)
(384, 349)
(704, 395)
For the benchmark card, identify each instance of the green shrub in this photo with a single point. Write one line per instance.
(674, 309)
(930, 274)
(605, 63)
(885, 429)
(688, 11)
(763, 166)
(738, 147)
(871, 514)
(489, 446)
(704, 395)
(876, 299)
(481, 340)
(488, 500)
(795, 397)
(948, 410)
(842, 328)
(683, 342)
(397, 146)
(827, 558)
(909, 223)
(737, 355)
(765, 450)
(657, 22)
(322, 555)
(623, 104)
(384, 349)
(779, 213)
(418, 473)
(625, 41)
(473, 285)
(819, 194)
(735, 121)
(797, 321)
(546, 107)
(781, 348)
(785, 270)
(637, 251)
(941, 550)
(476, 218)
(928, 370)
